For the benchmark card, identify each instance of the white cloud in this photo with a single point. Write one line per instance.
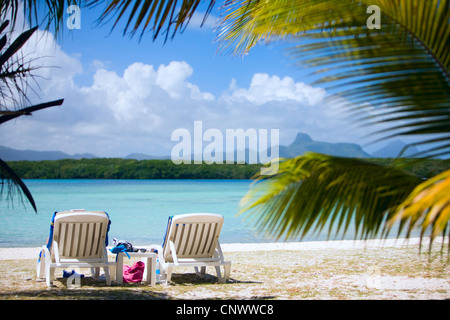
(55, 68)
(172, 77)
(264, 88)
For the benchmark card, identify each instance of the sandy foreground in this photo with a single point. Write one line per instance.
(374, 269)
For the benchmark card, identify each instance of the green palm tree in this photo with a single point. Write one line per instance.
(15, 73)
(397, 75)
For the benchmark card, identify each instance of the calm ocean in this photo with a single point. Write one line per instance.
(138, 209)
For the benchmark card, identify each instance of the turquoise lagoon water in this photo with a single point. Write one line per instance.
(138, 209)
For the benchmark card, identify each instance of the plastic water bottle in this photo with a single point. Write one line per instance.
(158, 272)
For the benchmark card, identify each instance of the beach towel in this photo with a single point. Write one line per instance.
(135, 273)
(126, 244)
(120, 248)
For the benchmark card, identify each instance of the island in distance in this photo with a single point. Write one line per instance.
(302, 143)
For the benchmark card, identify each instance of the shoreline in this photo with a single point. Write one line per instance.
(32, 252)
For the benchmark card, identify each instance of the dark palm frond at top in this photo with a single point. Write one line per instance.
(158, 17)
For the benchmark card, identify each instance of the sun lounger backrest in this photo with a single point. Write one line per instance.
(80, 235)
(194, 235)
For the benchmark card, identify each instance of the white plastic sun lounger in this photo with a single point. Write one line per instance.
(77, 239)
(192, 240)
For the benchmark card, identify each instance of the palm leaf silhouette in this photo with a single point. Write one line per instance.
(10, 87)
(313, 191)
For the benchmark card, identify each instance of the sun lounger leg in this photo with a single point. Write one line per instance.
(226, 275)
(49, 272)
(226, 271)
(107, 276)
(218, 272)
(168, 274)
(49, 275)
(203, 271)
(40, 268)
(95, 272)
(200, 273)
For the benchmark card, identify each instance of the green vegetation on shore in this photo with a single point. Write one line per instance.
(115, 168)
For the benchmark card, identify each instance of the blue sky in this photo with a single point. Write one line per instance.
(126, 96)
(213, 70)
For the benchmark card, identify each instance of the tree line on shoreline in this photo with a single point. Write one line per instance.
(117, 168)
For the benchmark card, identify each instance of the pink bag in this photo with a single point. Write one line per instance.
(134, 273)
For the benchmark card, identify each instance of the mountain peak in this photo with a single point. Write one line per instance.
(303, 143)
(301, 138)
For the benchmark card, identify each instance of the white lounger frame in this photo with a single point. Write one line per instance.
(78, 241)
(192, 240)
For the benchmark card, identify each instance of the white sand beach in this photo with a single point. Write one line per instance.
(31, 253)
(389, 269)
(332, 244)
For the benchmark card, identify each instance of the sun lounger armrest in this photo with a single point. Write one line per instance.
(173, 251)
(47, 255)
(56, 251)
(45, 251)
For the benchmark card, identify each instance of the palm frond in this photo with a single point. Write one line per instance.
(247, 23)
(398, 74)
(28, 110)
(48, 13)
(157, 16)
(167, 17)
(427, 207)
(13, 69)
(13, 79)
(11, 179)
(314, 191)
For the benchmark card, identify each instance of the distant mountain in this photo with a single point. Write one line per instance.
(393, 149)
(303, 143)
(10, 154)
